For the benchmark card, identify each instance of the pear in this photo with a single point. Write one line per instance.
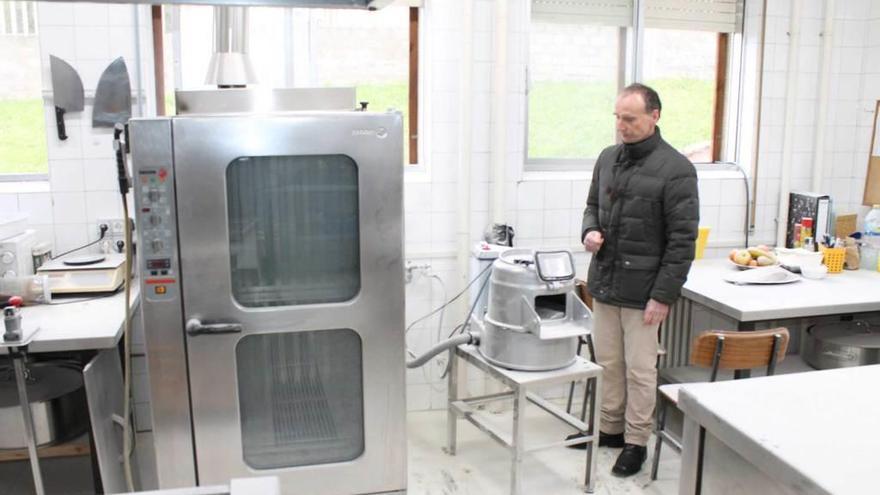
(764, 261)
(757, 252)
(742, 257)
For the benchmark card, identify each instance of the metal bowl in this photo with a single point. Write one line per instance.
(842, 344)
(58, 404)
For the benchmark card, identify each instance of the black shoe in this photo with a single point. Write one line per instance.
(614, 441)
(629, 462)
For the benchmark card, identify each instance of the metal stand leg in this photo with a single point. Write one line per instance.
(519, 405)
(30, 436)
(452, 396)
(571, 386)
(595, 419)
(658, 438)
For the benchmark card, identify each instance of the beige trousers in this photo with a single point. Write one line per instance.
(627, 350)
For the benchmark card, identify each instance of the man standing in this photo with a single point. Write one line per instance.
(640, 223)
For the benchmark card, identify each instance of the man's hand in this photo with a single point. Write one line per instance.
(593, 241)
(655, 312)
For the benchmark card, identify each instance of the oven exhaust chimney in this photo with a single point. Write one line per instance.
(230, 66)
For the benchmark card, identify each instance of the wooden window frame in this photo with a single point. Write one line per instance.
(721, 68)
(413, 130)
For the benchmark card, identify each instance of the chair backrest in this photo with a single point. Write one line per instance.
(584, 293)
(731, 350)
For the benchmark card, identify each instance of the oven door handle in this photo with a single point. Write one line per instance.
(194, 326)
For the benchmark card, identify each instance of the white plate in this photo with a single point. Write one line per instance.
(771, 276)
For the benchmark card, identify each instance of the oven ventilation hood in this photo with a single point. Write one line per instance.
(230, 66)
(321, 4)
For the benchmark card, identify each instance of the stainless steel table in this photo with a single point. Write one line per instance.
(92, 323)
(751, 307)
(800, 434)
(17, 350)
(522, 383)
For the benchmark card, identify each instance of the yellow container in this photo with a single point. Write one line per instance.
(702, 239)
(833, 258)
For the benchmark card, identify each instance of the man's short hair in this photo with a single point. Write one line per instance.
(652, 99)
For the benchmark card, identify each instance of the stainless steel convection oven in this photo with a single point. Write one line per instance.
(271, 262)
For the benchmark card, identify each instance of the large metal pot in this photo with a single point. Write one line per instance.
(58, 404)
(534, 316)
(842, 344)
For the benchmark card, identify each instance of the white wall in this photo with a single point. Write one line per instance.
(854, 89)
(544, 207)
(82, 184)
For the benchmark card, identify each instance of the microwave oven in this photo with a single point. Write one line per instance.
(15, 254)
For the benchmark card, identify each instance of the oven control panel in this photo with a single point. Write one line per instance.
(157, 227)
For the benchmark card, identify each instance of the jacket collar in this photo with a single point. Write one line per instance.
(641, 149)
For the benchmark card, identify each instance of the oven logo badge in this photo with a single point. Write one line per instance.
(380, 132)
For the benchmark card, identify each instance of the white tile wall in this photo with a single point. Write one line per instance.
(82, 171)
(549, 210)
(542, 211)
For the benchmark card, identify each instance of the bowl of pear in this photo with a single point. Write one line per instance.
(753, 257)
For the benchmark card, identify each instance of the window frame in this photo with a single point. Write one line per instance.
(728, 89)
(414, 89)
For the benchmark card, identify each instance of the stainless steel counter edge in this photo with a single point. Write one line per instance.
(760, 455)
(47, 340)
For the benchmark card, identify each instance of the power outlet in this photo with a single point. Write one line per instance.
(115, 232)
(116, 227)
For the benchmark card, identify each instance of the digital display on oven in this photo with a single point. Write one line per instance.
(159, 264)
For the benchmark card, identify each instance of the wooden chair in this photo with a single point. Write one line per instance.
(720, 350)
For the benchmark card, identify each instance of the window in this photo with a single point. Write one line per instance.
(582, 52)
(568, 103)
(22, 126)
(374, 51)
(681, 66)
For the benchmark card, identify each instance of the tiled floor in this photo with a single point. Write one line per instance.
(481, 467)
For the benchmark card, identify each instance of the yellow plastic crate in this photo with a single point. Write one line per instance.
(833, 258)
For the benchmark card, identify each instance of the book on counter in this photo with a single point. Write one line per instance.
(802, 204)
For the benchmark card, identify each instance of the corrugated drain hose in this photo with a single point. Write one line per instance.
(466, 338)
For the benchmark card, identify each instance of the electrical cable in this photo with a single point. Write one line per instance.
(439, 332)
(454, 298)
(103, 234)
(466, 323)
(124, 186)
(440, 322)
(467, 320)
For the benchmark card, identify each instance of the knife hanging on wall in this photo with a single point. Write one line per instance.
(67, 92)
(113, 96)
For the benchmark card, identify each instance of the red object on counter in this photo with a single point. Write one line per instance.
(16, 301)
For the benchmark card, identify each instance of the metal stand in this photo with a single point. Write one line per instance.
(18, 355)
(520, 383)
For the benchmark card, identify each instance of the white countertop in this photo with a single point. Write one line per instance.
(76, 326)
(848, 292)
(805, 430)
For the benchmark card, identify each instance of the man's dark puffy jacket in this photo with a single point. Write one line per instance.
(643, 198)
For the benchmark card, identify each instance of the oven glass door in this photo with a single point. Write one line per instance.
(293, 240)
(288, 247)
(293, 229)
